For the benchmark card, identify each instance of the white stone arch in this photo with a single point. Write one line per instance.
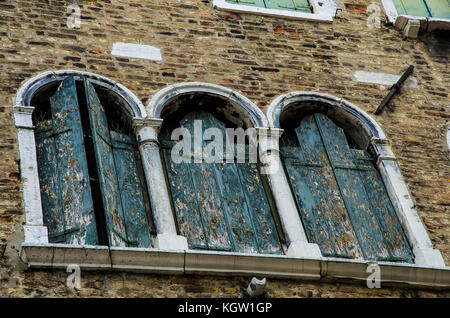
(347, 114)
(34, 229)
(30, 87)
(373, 138)
(241, 104)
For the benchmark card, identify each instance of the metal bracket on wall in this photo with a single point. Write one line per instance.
(2, 250)
(394, 89)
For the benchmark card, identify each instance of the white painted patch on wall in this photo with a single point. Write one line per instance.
(383, 79)
(139, 51)
(448, 139)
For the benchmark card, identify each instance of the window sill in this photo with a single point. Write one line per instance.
(323, 13)
(144, 260)
(401, 21)
(426, 24)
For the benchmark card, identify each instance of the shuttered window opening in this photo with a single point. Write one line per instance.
(219, 206)
(291, 5)
(339, 193)
(91, 185)
(424, 8)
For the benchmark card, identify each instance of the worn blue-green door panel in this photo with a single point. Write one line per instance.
(317, 172)
(353, 190)
(131, 194)
(412, 7)
(49, 179)
(439, 8)
(183, 194)
(244, 201)
(195, 195)
(236, 219)
(364, 221)
(240, 227)
(109, 185)
(340, 195)
(210, 206)
(290, 5)
(390, 227)
(317, 194)
(184, 201)
(260, 215)
(75, 194)
(207, 186)
(252, 3)
(211, 203)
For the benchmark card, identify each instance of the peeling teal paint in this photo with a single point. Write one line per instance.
(341, 198)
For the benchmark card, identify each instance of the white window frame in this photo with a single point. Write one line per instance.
(171, 253)
(401, 21)
(323, 10)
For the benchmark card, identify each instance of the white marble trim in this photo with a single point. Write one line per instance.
(142, 260)
(321, 13)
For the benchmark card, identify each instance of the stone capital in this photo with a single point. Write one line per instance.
(147, 129)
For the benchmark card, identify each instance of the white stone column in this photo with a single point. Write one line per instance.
(416, 233)
(147, 136)
(269, 155)
(34, 229)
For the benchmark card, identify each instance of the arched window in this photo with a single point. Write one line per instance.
(218, 204)
(339, 193)
(89, 171)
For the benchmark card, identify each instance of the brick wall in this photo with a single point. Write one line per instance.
(261, 57)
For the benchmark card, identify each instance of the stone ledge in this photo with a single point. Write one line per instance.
(401, 21)
(320, 16)
(145, 260)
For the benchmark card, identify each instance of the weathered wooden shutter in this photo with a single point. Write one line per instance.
(340, 195)
(412, 7)
(126, 218)
(291, 5)
(252, 3)
(221, 206)
(439, 8)
(317, 193)
(63, 174)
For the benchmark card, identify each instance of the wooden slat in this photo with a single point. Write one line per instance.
(75, 195)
